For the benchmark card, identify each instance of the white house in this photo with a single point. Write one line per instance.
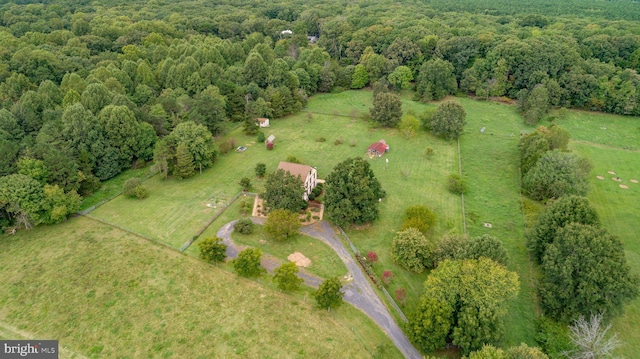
(262, 122)
(307, 174)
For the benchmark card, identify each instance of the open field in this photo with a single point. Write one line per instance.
(619, 210)
(175, 209)
(105, 293)
(490, 162)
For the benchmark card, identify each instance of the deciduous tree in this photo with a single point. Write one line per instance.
(328, 294)
(412, 250)
(281, 224)
(286, 277)
(213, 250)
(565, 210)
(284, 191)
(449, 120)
(352, 193)
(584, 270)
(387, 109)
(464, 301)
(248, 263)
(557, 174)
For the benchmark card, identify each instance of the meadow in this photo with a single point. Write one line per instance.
(105, 293)
(327, 132)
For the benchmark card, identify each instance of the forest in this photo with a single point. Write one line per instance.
(90, 90)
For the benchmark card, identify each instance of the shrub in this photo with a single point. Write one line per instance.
(428, 152)
(387, 277)
(401, 296)
(248, 262)
(338, 141)
(321, 139)
(281, 224)
(368, 268)
(269, 146)
(411, 250)
(456, 184)
(245, 183)
(245, 207)
(129, 188)
(244, 226)
(141, 192)
(353, 143)
(552, 337)
(419, 217)
(227, 146)
(372, 257)
(260, 169)
(212, 250)
(293, 159)
(260, 137)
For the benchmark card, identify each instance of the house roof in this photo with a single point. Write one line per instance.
(262, 119)
(295, 169)
(379, 147)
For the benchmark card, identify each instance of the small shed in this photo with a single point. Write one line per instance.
(378, 148)
(269, 142)
(262, 122)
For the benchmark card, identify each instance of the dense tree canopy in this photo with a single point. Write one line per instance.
(463, 301)
(352, 193)
(584, 271)
(557, 174)
(449, 120)
(284, 191)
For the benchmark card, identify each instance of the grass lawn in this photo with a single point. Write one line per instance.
(619, 210)
(324, 261)
(609, 130)
(490, 162)
(175, 209)
(105, 293)
(112, 187)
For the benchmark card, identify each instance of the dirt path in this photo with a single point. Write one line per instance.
(358, 292)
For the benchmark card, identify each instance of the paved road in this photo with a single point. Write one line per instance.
(358, 292)
(268, 262)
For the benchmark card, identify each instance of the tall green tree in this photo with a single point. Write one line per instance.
(565, 210)
(411, 250)
(286, 277)
(328, 294)
(449, 120)
(248, 263)
(352, 193)
(213, 250)
(281, 224)
(464, 301)
(387, 109)
(184, 162)
(435, 80)
(557, 174)
(284, 191)
(584, 271)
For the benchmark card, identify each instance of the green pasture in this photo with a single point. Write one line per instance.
(105, 293)
(619, 210)
(112, 187)
(321, 137)
(490, 162)
(599, 128)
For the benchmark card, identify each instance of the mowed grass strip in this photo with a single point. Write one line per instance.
(619, 210)
(105, 293)
(490, 163)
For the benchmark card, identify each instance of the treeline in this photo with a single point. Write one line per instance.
(583, 269)
(87, 91)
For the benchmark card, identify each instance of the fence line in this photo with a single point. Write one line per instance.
(130, 231)
(464, 218)
(384, 290)
(188, 243)
(108, 199)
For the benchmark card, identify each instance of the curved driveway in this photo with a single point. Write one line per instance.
(358, 292)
